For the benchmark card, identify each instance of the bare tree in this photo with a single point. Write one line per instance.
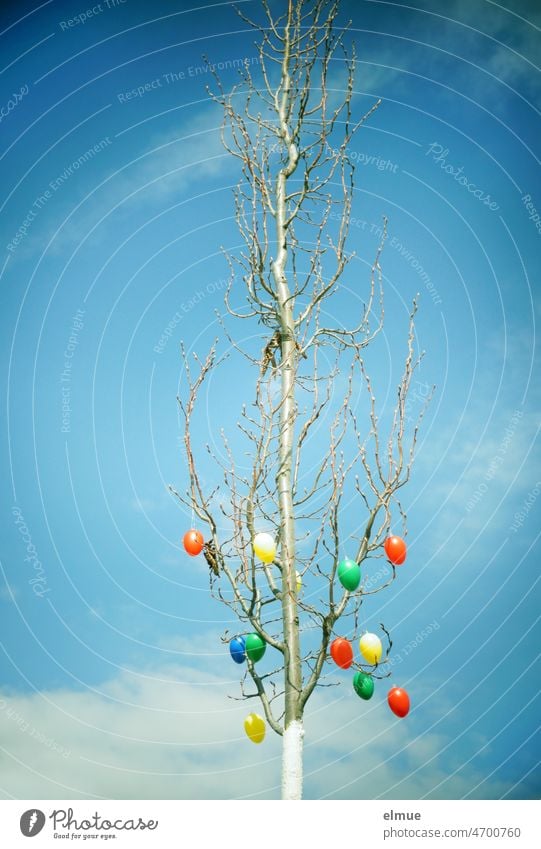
(290, 134)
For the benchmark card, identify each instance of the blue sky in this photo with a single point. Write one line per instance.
(114, 682)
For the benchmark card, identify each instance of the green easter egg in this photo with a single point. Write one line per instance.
(349, 574)
(363, 685)
(255, 647)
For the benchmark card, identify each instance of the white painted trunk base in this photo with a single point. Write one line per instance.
(292, 761)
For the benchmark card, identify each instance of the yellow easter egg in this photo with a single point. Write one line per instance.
(265, 547)
(371, 648)
(254, 725)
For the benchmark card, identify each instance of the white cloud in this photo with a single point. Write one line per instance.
(479, 34)
(170, 164)
(173, 733)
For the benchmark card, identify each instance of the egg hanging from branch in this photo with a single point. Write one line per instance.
(255, 728)
(371, 648)
(264, 547)
(349, 574)
(193, 542)
(395, 549)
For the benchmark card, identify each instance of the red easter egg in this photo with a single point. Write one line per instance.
(395, 549)
(342, 653)
(193, 542)
(399, 701)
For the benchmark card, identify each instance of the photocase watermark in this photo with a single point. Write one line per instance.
(66, 820)
(416, 266)
(77, 325)
(359, 223)
(413, 644)
(366, 159)
(376, 161)
(26, 727)
(181, 74)
(88, 14)
(167, 333)
(211, 68)
(396, 244)
(31, 822)
(496, 461)
(522, 514)
(439, 155)
(533, 213)
(39, 581)
(54, 185)
(376, 579)
(76, 164)
(85, 828)
(185, 308)
(419, 396)
(13, 101)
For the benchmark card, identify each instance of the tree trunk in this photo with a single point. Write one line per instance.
(292, 752)
(292, 760)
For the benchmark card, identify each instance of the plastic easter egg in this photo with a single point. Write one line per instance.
(255, 647)
(254, 725)
(399, 701)
(395, 549)
(349, 574)
(342, 652)
(363, 685)
(265, 547)
(193, 542)
(298, 585)
(371, 648)
(237, 648)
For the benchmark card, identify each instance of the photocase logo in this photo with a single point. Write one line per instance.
(32, 822)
